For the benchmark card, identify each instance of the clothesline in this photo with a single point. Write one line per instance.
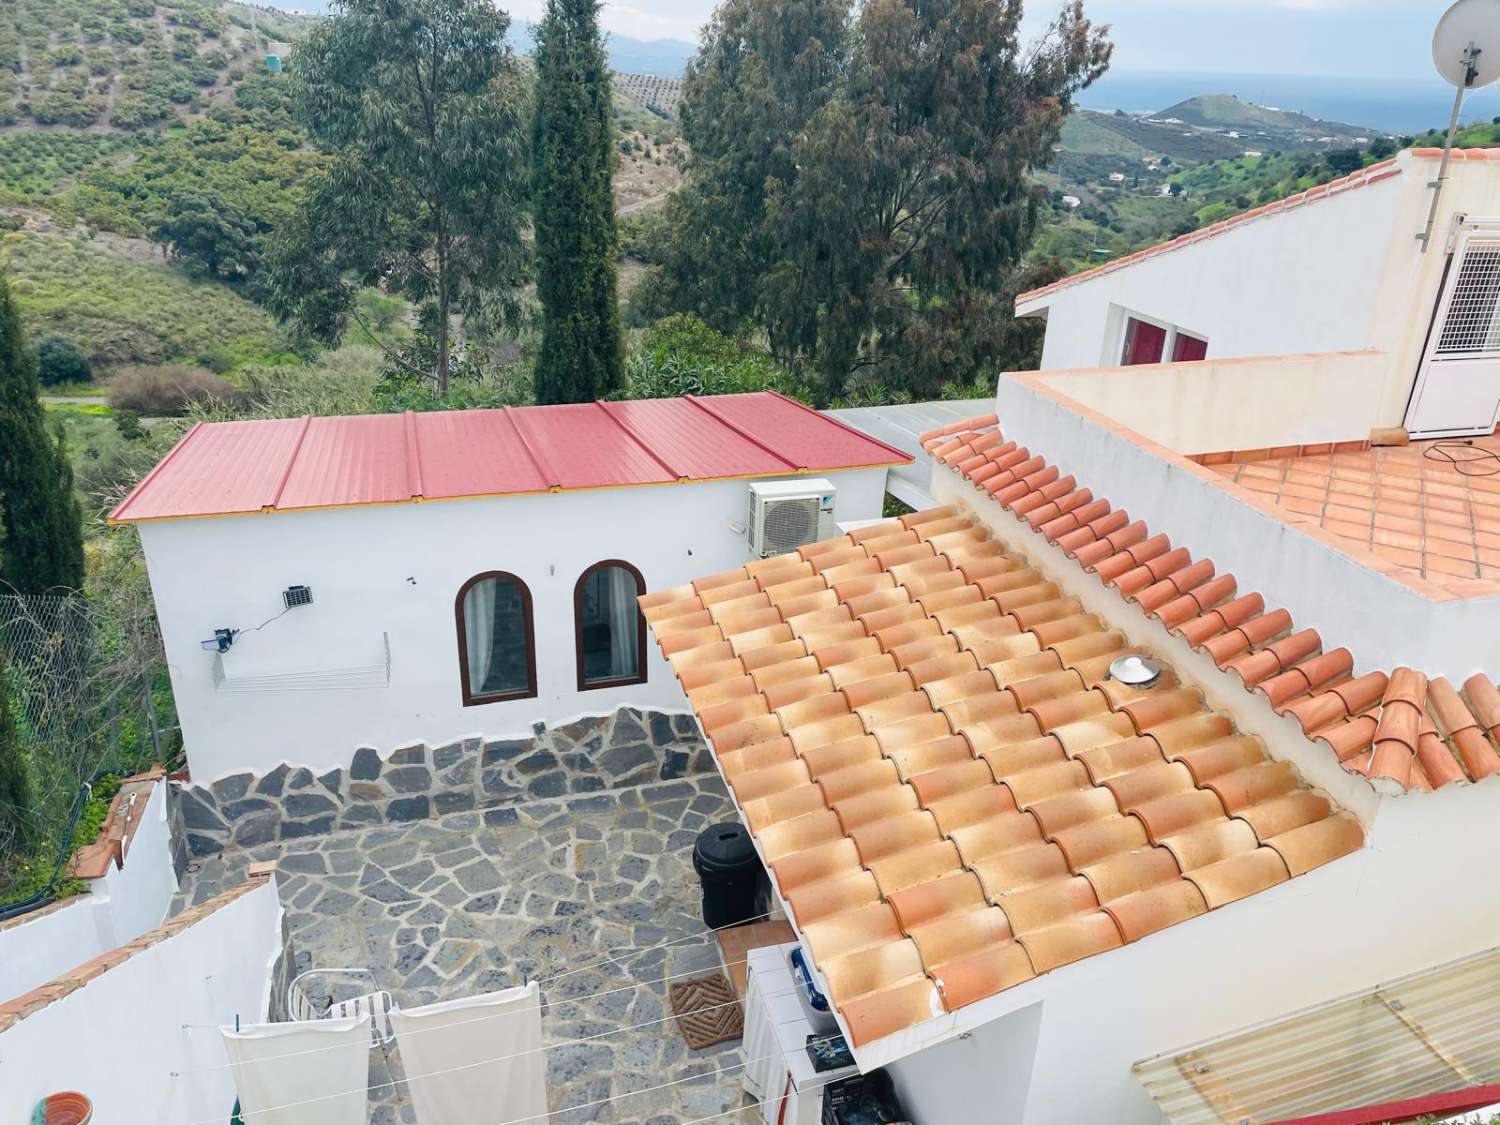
(653, 948)
(534, 1117)
(663, 1086)
(476, 1019)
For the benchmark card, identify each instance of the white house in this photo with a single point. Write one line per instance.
(325, 584)
(1339, 267)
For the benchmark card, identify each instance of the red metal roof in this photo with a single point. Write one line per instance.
(237, 468)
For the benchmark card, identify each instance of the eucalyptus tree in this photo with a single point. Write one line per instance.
(883, 241)
(423, 109)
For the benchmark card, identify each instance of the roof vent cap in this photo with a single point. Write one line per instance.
(1136, 671)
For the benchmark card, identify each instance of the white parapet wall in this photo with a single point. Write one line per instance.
(1262, 402)
(126, 903)
(139, 1035)
(1386, 623)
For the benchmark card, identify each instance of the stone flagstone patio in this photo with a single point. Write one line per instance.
(476, 901)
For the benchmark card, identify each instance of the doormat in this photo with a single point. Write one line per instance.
(707, 1011)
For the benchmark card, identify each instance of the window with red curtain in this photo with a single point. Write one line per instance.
(1144, 343)
(1188, 348)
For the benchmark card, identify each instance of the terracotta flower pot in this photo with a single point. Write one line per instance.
(67, 1108)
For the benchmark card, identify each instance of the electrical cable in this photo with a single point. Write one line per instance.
(408, 1079)
(664, 1086)
(465, 1023)
(578, 999)
(648, 949)
(1447, 452)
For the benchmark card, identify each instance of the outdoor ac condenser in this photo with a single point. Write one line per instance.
(785, 515)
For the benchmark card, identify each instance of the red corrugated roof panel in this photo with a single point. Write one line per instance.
(582, 446)
(358, 460)
(794, 434)
(691, 441)
(231, 468)
(191, 479)
(446, 444)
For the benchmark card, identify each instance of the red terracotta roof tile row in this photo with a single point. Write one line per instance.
(1422, 737)
(126, 811)
(1374, 174)
(953, 794)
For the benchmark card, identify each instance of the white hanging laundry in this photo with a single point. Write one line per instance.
(481, 1057)
(304, 1073)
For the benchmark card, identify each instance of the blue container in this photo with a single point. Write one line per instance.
(273, 63)
(814, 1003)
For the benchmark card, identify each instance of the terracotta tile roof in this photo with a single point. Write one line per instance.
(953, 795)
(1389, 726)
(296, 464)
(15, 1010)
(126, 810)
(1434, 518)
(1374, 174)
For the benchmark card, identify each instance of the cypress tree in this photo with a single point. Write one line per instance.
(17, 821)
(44, 537)
(573, 162)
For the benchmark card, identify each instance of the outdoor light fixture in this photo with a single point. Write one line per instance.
(1136, 671)
(221, 641)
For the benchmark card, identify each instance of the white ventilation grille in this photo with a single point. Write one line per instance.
(790, 524)
(1472, 326)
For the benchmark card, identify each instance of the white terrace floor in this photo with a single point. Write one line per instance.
(472, 902)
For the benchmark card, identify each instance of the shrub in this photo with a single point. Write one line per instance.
(683, 356)
(59, 360)
(167, 391)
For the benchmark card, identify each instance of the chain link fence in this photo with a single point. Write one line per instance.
(86, 685)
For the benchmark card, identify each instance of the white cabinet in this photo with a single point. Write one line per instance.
(777, 1069)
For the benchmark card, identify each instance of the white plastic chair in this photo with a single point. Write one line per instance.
(313, 996)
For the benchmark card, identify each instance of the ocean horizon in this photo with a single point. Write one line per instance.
(1401, 105)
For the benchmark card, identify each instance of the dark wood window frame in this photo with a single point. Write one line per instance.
(470, 698)
(640, 620)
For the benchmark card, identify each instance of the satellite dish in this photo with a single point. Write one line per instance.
(1466, 44)
(1466, 51)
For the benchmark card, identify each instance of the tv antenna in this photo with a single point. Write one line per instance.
(1466, 52)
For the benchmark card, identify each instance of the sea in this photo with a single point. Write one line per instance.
(1393, 105)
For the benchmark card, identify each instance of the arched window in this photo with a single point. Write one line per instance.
(496, 644)
(611, 633)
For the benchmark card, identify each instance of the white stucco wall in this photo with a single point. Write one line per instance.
(1385, 623)
(119, 908)
(121, 1038)
(395, 570)
(1305, 280)
(1342, 273)
(1237, 404)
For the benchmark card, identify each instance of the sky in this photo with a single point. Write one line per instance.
(1324, 37)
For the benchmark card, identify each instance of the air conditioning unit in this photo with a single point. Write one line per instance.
(785, 515)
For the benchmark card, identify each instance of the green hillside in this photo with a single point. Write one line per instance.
(124, 311)
(128, 65)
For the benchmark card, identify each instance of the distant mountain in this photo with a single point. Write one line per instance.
(1224, 113)
(665, 57)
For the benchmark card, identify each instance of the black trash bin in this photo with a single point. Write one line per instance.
(735, 887)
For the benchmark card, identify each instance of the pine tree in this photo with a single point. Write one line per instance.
(573, 161)
(44, 538)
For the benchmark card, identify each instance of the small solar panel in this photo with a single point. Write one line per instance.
(295, 596)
